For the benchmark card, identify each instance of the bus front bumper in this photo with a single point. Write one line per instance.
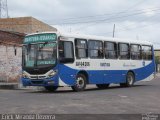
(40, 82)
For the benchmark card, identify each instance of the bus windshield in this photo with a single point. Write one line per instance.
(40, 54)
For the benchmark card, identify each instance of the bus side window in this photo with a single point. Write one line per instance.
(66, 54)
(135, 52)
(124, 51)
(81, 48)
(110, 50)
(95, 49)
(147, 52)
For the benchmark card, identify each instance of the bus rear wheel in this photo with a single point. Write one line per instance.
(129, 80)
(80, 83)
(51, 88)
(102, 86)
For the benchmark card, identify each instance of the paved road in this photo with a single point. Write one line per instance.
(144, 97)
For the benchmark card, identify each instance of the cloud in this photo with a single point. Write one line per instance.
(132, 18)
(149, 12)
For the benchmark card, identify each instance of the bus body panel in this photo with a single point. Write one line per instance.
(67, 75)
(108, 76)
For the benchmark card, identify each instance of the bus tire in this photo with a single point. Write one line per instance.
(80, 83)
(51, 88)
(102, 86)
(130, 78)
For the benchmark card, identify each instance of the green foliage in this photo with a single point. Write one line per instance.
(157, 59)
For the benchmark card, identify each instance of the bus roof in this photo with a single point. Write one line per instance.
(94, 37)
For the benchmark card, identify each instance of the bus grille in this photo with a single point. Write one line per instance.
(37, 82)
(36, 77)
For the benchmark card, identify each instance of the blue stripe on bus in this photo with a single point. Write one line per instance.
(68, 74)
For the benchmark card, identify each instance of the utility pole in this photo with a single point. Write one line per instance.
(3, 9)
(113, 30)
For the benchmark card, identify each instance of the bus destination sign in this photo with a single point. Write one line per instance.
(47, 37)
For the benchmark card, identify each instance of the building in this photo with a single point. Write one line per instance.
(10, 56)
(157, 55)
(12, 32)
(157, 52)
(24, 25)
(157, 59)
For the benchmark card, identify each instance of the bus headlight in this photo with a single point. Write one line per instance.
(52, 73)
(25, 75)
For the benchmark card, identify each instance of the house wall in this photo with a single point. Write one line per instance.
(10, 63)
(10, 56)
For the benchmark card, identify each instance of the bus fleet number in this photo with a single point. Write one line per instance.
(82, 64)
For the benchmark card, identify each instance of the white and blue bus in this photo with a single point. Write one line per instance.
(53, 59)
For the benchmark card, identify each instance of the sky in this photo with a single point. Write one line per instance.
(133, 19)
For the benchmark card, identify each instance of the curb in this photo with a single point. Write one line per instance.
(10, 86)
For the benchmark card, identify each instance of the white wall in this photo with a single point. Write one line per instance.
(10, 64)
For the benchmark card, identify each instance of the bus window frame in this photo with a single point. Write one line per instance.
(110, 50)
(76, 48)
(136, 52)
(96, 49)
(151, 52)
(66, 60)
(123, 51)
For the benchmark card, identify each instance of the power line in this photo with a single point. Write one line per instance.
(126, 27)
(105, 17)
(100, 15)
(140, 27)
(106, 20)
(124, 11)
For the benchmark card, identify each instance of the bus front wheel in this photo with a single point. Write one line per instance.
(80, 83)
(129, 80)
(51, 88)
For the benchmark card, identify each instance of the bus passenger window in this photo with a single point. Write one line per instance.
(147, 52)
(110, 50)
(68, 50)
(81, 48)
(66, 54)
(95, 49)
(124, 51)
(135, 52)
